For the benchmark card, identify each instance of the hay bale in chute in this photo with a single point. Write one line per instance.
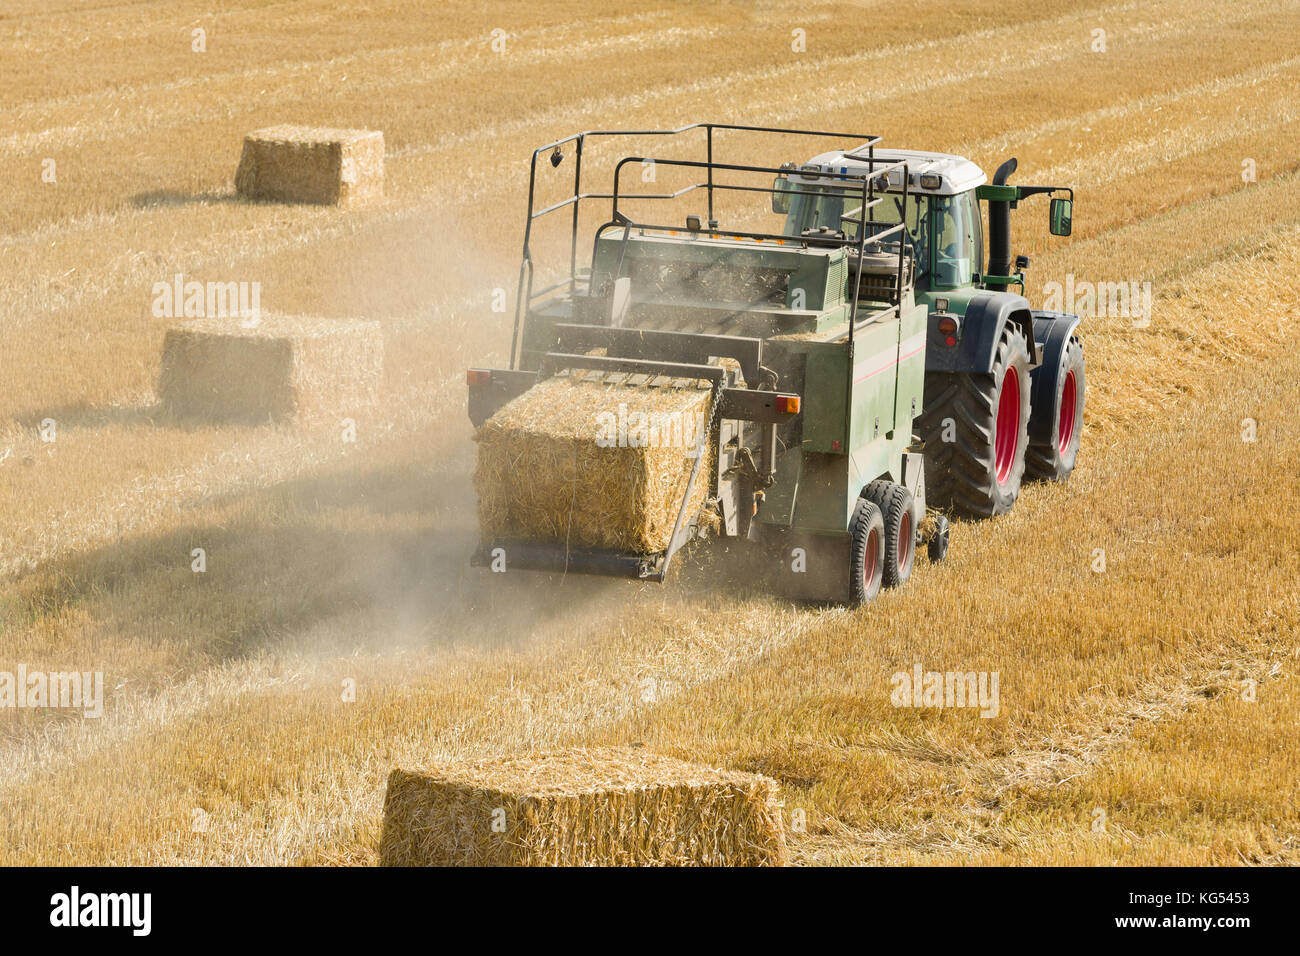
(590, 464)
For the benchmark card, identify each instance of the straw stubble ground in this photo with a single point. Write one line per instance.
(225, 738)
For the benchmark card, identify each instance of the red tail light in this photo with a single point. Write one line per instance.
(948, 326)
(787, 404)
(478, 376)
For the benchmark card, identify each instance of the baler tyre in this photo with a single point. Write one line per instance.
(978, 471)
(867, 554)
(938, 545)
(897, 508)
(1053, 458)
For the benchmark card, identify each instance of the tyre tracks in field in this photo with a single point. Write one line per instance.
(1027, 772)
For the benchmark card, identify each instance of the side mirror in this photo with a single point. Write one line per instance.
(1061, 215)
(781, 197)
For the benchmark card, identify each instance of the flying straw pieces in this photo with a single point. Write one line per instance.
(343, 167)
(600, 807)
(589, 464)
(302, 370)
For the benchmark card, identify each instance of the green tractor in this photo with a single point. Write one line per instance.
(1004, 383)
(861, 369)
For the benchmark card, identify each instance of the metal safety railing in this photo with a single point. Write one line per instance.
(868, 235)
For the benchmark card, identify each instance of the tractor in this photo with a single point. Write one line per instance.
(1004, 383)
(861, 368)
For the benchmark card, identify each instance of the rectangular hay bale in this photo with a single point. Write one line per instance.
(293, 369)
(304, 164)
(570, 461)
(599, 807)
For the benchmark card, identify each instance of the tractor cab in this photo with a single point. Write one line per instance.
(940, 210)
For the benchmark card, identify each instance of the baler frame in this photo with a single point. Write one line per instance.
(741, 467)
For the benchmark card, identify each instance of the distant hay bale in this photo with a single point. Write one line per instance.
(601, 807)
(592, 465)
(286, 368)
(343, 167)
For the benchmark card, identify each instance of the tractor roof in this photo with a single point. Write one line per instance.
(956, 174)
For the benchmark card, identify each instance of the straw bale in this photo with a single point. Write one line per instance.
(286, 368)
(599, 807)
(306, 164)
(551, 469)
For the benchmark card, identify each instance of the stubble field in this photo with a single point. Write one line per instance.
(1149, 702)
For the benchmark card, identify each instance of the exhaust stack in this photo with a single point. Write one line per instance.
(1000, 225)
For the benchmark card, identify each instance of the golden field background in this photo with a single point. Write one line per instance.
(225, 738)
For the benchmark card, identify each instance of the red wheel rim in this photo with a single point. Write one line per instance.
(869, 562)
(1065, 421)
(1006, 440)
(904, 540)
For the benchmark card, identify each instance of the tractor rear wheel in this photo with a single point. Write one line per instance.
(976, 432)
(1052, 457)
(897, 508)
(867, 557)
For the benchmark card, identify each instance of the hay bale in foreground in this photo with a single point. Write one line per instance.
(286, 368)
(306, 164)
(604, 807)
(592, 465)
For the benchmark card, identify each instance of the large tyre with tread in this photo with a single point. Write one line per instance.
(984, 417)
(898, 511)
(867, 557)
(1052, 457)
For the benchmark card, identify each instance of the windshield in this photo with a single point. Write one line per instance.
(831, 206)
(952, 260)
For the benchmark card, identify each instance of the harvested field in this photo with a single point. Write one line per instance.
(326, 562)
(592, 465)
(602, 807)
